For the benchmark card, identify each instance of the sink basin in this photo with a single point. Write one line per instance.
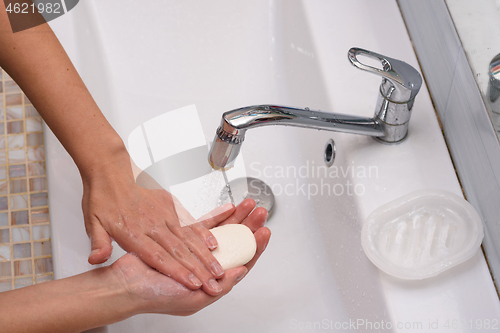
(143, 62)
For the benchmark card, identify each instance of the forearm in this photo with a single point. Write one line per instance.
(74, 304)
(141, 221)
(35, 59)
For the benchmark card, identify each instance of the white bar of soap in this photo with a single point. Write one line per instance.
(236, 245)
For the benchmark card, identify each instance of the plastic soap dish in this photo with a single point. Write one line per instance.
(422, 234)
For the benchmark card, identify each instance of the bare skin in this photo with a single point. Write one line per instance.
(113, 205)
(126, 288)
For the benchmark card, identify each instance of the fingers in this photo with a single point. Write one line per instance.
(241, 212)
(155, 256)
(198, 299)
(246, 214)
(256, 219)
(211, 220)
(262, 237)
(100, 242)
(255, 222)
(205, 235)
(182, 243)
(202, 263)
(199, 240)
(217, 215)
(231, 278)
(201, 299)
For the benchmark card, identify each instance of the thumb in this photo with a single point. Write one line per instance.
(101, 244)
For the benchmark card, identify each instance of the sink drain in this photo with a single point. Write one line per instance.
(329, 155)
(248, 187)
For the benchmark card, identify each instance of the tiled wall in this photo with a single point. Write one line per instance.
(25, 249)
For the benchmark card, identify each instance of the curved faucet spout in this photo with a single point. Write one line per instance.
(400, 84)
(235, 123)
(261, 115)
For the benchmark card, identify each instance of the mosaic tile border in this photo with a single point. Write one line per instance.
(25, 246)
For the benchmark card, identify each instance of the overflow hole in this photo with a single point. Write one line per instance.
(330, 150)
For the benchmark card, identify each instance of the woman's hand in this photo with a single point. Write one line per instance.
(128, 287)
(150, 224)
(141, 221)
(154, 292)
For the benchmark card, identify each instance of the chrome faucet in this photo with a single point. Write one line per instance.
(400, 84)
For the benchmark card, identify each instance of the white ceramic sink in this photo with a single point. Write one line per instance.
(141, 60)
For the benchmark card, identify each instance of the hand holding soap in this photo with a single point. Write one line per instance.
(236, 245)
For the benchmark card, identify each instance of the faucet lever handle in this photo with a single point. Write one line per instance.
(400, 81)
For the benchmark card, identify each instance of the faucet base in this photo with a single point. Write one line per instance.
(381, 140)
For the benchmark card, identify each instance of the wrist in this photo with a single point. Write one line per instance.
(126, 303)
(125, 274)
(111, 160)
